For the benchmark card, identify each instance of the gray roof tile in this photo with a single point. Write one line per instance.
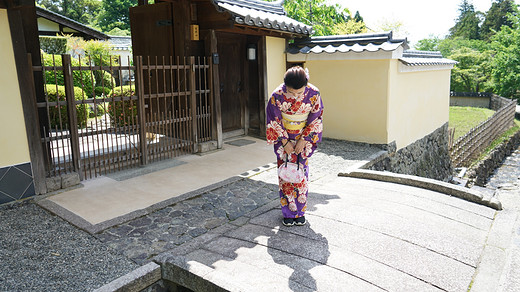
(270, 15)
(424, 58)
(121, 42)
(371, 42)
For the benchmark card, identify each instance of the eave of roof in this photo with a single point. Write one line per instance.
(358, 43)
(425, 58)
(262, 14)
(47, 14)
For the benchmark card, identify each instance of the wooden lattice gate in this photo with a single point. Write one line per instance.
(122, 116)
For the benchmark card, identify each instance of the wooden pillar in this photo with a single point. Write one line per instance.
(193, 104)
(143, 151)
(211, 50)
(262, 90)
(24, 35)
(71, 113)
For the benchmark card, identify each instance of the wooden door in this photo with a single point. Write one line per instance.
(152, 30)
(232, 58)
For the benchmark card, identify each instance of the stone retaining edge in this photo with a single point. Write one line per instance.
(480, 173)
(426, 183)
(137, 280)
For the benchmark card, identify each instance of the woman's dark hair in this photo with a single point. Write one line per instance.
(295, 77)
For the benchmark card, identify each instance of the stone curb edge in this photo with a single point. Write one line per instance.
(96, 228)
(136, 280)
(426, 183)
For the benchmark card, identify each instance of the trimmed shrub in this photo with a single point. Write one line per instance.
(82, 110)
(53, 44)
(82, 79)
(106, 80)
(102, 91)
(121, 111)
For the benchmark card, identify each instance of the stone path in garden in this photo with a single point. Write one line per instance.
(500, 263)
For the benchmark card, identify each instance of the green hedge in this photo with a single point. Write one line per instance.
(82, 110)
(120, 111)
(82, 79)
(53, 44)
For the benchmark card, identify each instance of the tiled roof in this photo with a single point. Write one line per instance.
(65, 21)
(257, 13)
(371, 42)
(122, 43)
(425, 58)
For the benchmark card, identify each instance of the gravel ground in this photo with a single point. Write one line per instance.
(42, 252)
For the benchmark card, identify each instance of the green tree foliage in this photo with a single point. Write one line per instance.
(98, 53)
(472, 73)
(82, 79)
(430, 44)
(350, 27)
(496, 17)
(490, 62)
(122, 112)
(506, 61)
(317, 13)
(467, 25)
(116, 31)
(114, 14)
(84, 11)
(58, 114)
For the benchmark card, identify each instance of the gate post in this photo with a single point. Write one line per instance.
(71, 113)
(193, 95)
(139, 82)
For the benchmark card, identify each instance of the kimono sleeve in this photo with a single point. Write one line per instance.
(313, 131)
(275, 130)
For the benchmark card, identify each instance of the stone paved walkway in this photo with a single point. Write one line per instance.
(143, 238)
(500, 263)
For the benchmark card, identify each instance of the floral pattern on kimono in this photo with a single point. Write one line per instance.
(293, 196)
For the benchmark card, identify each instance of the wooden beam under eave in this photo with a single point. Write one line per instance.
(261, 31)
(215, 24)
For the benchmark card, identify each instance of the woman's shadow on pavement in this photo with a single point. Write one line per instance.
(300, 248)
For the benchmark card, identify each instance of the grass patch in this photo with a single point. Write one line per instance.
(463, 119)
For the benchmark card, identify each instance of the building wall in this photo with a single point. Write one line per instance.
(48, 25)
(15, 167)
(275, 59)
(354, 94)
(418, 103)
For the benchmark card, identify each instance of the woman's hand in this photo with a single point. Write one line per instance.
(289, 147)
(300, 146)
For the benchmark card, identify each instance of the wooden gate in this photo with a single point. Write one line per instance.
(122, 116)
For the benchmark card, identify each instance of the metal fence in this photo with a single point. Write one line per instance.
(96, 125)
(469, 146)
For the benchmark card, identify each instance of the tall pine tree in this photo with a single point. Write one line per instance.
(496, 17)
(467, 24)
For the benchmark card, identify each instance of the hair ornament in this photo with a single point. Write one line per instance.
(307, 73)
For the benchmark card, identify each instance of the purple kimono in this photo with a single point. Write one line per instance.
(280, 125)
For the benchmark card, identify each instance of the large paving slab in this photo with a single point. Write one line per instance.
(107, 197)
(361, 236)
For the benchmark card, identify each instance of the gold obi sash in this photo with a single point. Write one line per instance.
(294, 122)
